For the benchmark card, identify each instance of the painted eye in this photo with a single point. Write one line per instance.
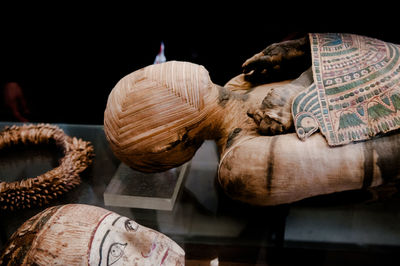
(131, 225)
(115, 252)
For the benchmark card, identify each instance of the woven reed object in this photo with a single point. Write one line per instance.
(41, 189)
(153, 115)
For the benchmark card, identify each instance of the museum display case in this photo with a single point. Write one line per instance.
(207, 224)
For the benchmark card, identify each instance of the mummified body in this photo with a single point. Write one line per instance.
(158, 116)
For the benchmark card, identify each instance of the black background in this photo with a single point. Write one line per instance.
(68, 58)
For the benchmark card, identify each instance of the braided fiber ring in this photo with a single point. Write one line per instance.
(40, 190)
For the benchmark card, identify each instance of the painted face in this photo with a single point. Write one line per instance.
(78, 234)
(121, 241)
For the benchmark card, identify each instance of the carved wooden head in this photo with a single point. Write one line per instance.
(153, 115)
(78, 234)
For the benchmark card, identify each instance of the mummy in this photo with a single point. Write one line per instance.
(331, 129)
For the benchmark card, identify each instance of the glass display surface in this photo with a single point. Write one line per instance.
(342, 228)
(131, 188)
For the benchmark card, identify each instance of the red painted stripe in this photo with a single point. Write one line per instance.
(164, 257)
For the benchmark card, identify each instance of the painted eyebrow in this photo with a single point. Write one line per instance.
(101, 246)
(116, 220)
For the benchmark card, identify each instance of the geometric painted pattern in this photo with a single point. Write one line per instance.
(355, 95)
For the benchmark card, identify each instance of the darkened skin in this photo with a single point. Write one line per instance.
(279, 61)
